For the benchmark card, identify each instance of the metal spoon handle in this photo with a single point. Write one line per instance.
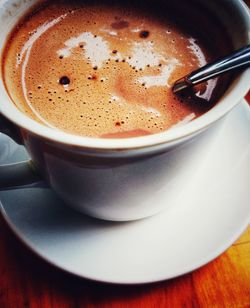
(239, 58)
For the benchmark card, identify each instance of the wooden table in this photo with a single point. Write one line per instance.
(27, 281)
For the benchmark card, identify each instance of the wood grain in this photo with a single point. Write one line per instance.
(27, 281)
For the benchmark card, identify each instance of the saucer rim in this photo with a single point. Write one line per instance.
(189, 269)
(179, 272)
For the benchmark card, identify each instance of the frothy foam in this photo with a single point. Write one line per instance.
(198, 53)
(161, 80)
(25, 53)
(101, 71)
(143, 54)
(96, 49)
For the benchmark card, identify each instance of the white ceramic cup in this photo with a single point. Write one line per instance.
(118, 179)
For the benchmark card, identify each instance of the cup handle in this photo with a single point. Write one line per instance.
(10, 129)
(18, 175)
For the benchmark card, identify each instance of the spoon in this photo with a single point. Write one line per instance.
(238, 59)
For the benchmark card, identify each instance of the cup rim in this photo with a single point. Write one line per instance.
(237, 90)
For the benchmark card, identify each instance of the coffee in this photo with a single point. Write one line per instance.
(105, 69)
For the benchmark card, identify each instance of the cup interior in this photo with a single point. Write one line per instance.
(233, 15)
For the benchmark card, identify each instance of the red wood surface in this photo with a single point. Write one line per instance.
(28, 281)
(248, 97)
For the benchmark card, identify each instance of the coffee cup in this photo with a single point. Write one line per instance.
(118, 179)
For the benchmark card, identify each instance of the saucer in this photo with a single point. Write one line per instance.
(207, 219)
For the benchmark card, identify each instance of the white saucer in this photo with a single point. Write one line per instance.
(210, 217)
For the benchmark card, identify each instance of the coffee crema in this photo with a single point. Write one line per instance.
(105, 69)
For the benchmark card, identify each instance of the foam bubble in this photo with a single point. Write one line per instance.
(119, 80)
(108, 31)
(96, 48)
(143, 54)
(135, 30)
(184, 121)
(153, 111)
(211, 84)
(197, 51)
(36, 35)
(163, 77)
